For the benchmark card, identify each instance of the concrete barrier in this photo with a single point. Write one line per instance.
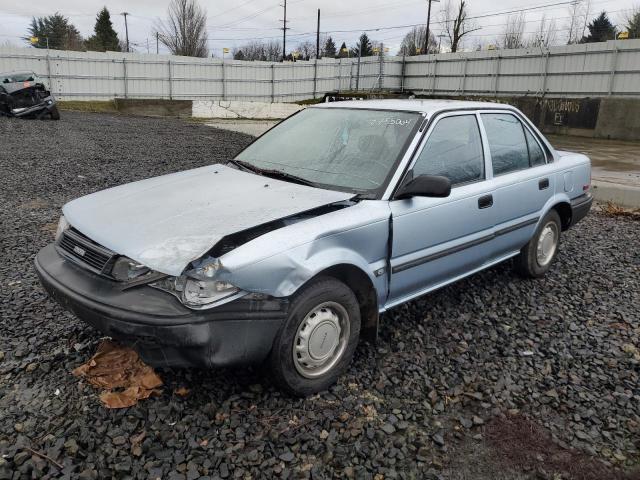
(243, 110)
(623, 195)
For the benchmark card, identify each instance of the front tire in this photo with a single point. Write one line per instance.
(54, 113)
(537, 256)
(317, 341)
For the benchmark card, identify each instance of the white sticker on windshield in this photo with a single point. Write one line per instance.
(383, 122)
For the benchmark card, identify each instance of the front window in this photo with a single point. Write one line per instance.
(353, 150)
(453, 150)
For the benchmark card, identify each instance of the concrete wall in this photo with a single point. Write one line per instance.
(249, 110)
(619, 118)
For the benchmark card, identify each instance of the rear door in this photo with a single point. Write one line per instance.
(522, 179)
(436, 240)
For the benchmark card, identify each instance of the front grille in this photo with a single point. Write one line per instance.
(85, 251)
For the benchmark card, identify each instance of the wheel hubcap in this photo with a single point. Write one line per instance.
(547, 244)
(321, 339)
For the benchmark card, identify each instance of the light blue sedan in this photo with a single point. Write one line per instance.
(286, 255)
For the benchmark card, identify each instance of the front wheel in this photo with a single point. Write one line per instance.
(538, 254)
(318, 339)
(54, 113)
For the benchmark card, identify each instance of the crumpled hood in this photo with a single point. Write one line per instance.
(167, 222)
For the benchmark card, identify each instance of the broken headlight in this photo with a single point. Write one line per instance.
(62, 226)
(125, 269)
(197, 293)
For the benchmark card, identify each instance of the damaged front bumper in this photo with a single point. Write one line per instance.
(157, 325)
(41, 108)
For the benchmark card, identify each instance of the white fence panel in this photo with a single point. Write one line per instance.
(597, 69)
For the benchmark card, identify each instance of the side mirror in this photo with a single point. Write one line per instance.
(425, 186)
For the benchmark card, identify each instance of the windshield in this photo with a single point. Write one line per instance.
(18, 77)
(353, 150)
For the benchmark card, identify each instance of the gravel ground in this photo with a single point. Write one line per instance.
(492, 378)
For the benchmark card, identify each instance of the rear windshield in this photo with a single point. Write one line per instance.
(353, 150)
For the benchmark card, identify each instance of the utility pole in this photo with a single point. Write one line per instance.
(284, 32)
(426, 37)
(318, 37)
(126, 28)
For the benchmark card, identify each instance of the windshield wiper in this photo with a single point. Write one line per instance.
(277, 174)
(246, 166)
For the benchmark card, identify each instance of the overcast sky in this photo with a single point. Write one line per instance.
(232, 25)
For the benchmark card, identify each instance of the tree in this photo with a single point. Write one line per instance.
(55, 31)
(105, 37)
(238, 55)
(363, 47)
(633, 22)
(600, 30)
(413, 42)
(456, 23)
(185, 30)
(513, 36)
(329, 49)
(546, 34)
(344, 51)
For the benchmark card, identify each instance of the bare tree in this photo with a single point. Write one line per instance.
(413, 42)
(631, 21)
(513, 36)
(579, 11)
(185, 30)
(259, 51)
(456, 24)
(546, 34)
(307, 50)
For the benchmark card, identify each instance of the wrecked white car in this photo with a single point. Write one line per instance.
(287, 254)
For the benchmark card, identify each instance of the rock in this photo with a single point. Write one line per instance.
(388, 428)
(71, 447)
(465, 422)
(287, 457)
(438, 439)
(20, 457)
(477, 420)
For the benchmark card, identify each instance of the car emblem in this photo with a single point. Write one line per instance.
(79, 251)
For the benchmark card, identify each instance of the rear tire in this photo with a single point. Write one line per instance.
(537, 256)
(317, 341)
(55, 114)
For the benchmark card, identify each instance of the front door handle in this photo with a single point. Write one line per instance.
(485, 201)
(543, 184)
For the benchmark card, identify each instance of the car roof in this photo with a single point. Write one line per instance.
(427, 106)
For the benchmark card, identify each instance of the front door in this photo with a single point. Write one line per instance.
(436, 240)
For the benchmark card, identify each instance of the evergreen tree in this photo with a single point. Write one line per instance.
(633, 25)
(600, 30)
(105, 37)
(329, 49)
(344, 51)
(238, 55)
(363, 48)
(57, 29)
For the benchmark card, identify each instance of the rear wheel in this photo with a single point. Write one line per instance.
(317, 341)
(538, 254)
(55, 114)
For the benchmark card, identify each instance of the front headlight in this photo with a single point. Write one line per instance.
(197, 293)
(62, 226)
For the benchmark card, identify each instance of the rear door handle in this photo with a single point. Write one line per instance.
(543, 184)
(485, 201)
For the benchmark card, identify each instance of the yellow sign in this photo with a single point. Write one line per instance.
(386, 49)
(34, 40)
(344, 49)
(296, 54)
(623, 35)
(376, 50)
(418, 50)
(491, 47)
(225, 50)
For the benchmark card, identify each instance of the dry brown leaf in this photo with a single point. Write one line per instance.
(182, 391)
(121, 372)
